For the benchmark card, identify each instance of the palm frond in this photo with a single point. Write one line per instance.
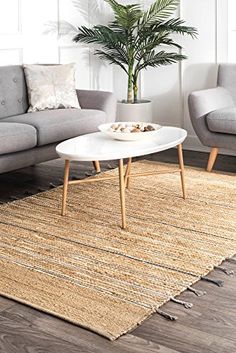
(150, 37)
(159, 59)
(146, 44)
(105, 37)
(160, 10)
(175, 25)
(170, 43)
(88, 36)
(99, 35)
(126, 15)
(111, 57)
(110, 35)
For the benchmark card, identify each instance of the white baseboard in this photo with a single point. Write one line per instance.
(192, 143)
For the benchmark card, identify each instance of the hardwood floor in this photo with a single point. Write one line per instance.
(209, 327)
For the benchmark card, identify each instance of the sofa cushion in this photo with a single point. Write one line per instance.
(222, 120)
(51, 87)
(13, 92)
(61, 124)
(16, 137)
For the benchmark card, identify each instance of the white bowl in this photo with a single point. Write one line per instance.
(129, 136)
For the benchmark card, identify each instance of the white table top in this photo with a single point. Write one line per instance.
(99, 147)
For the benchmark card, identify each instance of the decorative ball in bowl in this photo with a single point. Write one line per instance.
(130, 131)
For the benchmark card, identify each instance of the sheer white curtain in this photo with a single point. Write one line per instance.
(232, 31)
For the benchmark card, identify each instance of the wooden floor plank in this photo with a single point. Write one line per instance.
(33, 321)
(17, 338)
(5, 303)
(184, 338)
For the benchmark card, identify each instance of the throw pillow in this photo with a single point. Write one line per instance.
(51, 86)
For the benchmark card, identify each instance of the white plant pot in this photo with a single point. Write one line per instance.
(140, 111)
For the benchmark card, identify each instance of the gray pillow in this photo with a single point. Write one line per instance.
(51, 86)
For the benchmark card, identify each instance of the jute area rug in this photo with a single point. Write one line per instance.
(85, 269)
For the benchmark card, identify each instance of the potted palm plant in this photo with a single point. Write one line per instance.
(135, 40)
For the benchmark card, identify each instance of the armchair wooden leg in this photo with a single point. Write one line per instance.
(212, 158)
(97, 167)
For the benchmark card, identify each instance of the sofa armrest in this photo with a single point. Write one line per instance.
(203, 102)
(98, 100)
(200, 104)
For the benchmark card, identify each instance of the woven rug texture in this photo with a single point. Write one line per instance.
(84, 268)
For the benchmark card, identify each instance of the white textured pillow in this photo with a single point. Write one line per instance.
(51, 86)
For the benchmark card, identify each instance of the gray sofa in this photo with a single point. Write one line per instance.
(30, 138)
(213, 113)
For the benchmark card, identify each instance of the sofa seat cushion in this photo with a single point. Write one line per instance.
(16, 137)
(222, 120)
(61, 124)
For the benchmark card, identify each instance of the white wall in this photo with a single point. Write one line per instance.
(23, 40)
(22, 23)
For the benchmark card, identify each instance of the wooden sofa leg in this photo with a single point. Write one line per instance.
(212, 158)
(96, 165)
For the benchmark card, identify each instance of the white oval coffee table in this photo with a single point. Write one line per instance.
(99, 147)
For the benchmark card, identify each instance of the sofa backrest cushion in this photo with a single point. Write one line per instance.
(13, 92)
(227, 78)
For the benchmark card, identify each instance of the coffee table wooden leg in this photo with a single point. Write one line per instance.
(97, 167)
(65, 187)
(122, 192)
(127, 173)
(181, 164)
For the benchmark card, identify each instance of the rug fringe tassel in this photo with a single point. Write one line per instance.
(14, 198)
(187, 305)
(225, 270)
(28, 193)
(166, 315)
(218, 282)
(198, 293)
(231, 259)
(41, 190)
(88, 174)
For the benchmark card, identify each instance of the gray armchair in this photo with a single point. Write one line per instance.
(213, 113)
